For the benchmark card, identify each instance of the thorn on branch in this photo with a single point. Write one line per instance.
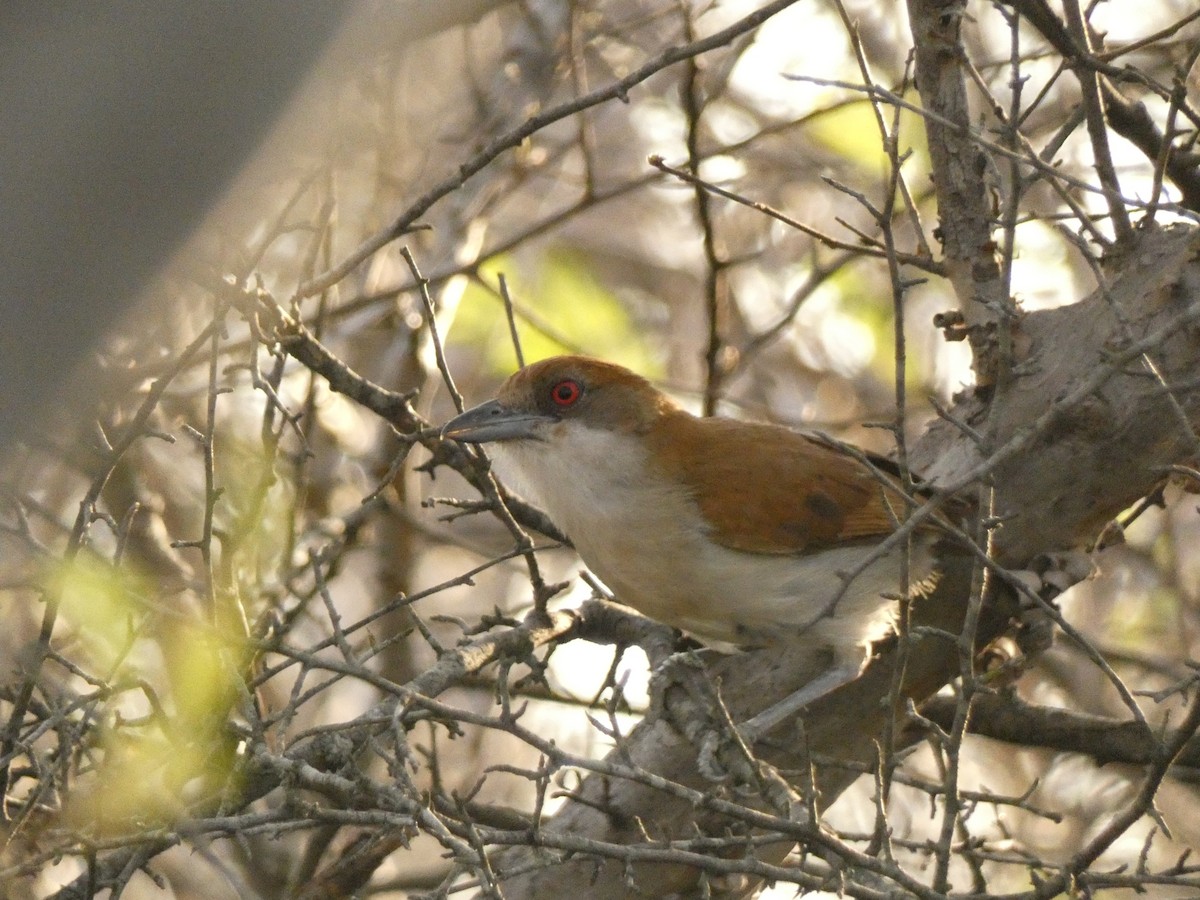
(952, 325)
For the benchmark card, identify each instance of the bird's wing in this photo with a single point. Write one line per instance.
(778, 491)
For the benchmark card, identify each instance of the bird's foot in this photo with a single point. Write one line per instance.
(1061, 571)
(687, 697)
(683, 669)
(1051, 574)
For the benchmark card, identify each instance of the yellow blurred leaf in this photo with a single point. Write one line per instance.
(98, 601)
(569, 308)
(850, 130)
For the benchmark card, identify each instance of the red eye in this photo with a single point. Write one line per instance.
(565, 393)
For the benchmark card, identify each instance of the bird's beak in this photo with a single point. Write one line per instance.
(492, 421)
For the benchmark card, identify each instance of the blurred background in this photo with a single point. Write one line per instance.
(202, 545)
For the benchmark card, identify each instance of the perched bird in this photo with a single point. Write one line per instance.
(737, 533)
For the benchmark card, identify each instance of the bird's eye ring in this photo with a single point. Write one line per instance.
(566, 392)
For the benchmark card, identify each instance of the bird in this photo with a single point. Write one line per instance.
(741, 534)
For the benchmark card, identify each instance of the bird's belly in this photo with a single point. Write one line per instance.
(737, 598)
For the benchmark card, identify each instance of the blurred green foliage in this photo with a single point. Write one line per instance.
(576, 313)
(852, 132)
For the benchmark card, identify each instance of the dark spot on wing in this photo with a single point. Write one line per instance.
(825, 508)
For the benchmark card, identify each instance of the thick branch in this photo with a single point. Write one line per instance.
(1106, 447)
(1104, 739)
(958, 167)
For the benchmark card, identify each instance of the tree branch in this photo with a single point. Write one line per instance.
(1007, 718)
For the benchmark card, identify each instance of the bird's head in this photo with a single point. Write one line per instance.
(542, 399)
